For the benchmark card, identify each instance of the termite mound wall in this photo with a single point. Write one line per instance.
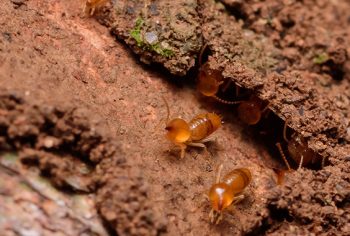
(165, 32)
(78, 156)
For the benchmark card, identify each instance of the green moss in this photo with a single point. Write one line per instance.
(162, 51)
(136, 34)
(321, 58)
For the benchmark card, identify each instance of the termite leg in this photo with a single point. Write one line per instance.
(183, 149)
(278, 145)
(209, 139)
(211, 215)
(226, 86)
(266, 110)
(200, 145)
(238, 199)
(323, 162)
(92, 11)
(215, 217)
(301, 162)
(219, 218)
(201, 53)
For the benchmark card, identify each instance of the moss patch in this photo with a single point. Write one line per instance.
(321, 58)
(136, 34)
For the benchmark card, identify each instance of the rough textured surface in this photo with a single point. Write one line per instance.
(79, 108)
(66, 149)
(166, 32)
(294, 92)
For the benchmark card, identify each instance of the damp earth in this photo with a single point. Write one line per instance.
(82, 115)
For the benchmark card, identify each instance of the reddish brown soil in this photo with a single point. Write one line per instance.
(77, 105)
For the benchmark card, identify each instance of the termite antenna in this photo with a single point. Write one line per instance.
(323, 162)
(225, 101)
(227, 85)
(265, 108)
(285, 130)
(218, 175)
(168, 115)
(167, 109)
(278, 145)
(201, 54)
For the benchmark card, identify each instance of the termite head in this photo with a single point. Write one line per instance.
(220, 196)
(298, 148)
(250, 111)
(209, 81)
(178, 130)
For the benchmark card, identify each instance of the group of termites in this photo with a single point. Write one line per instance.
(226, 191)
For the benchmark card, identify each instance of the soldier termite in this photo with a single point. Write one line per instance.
(193, 133)
(228, 191)
(298, 150)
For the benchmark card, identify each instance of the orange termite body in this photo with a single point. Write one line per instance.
(298, 150)
(250, 111)
(193, 133)
(228, 191)
(208, 84)
(209, 81)
(92, 5)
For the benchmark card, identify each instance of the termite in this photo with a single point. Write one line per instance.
(91, 6)
(208, 84)
(298, 150)
(228, 191)
(249, 111)
(194, 133)
(210, 80)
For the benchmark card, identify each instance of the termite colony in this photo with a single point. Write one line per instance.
(228, 191)
(223, 193)
(250, 111)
